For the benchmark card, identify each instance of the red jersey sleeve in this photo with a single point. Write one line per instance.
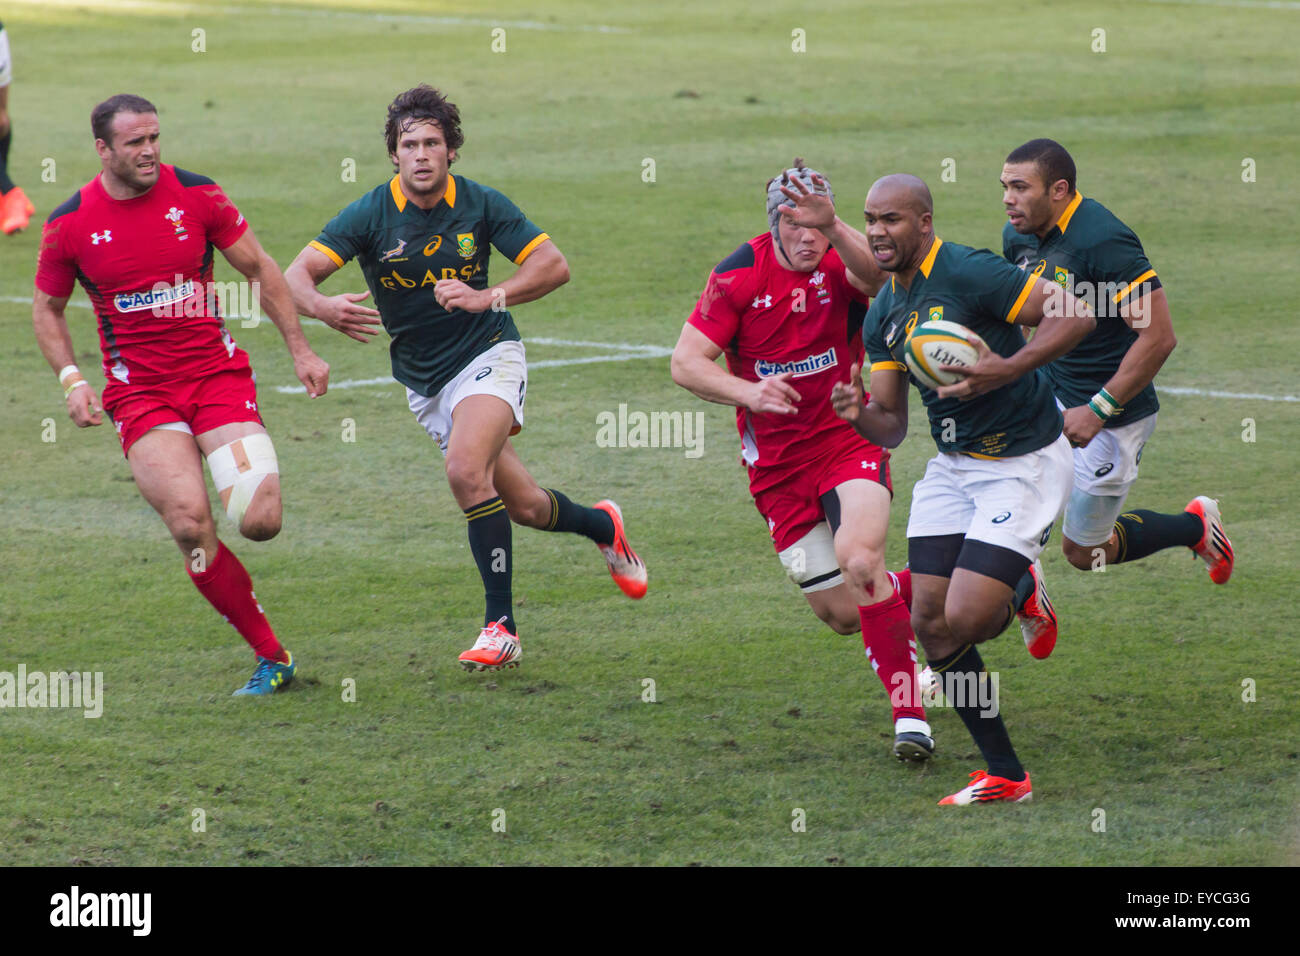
(224, 223)
(56, 266)
(716, 314)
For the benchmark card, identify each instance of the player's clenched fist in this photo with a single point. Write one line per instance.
(773, 395)
(846, 399)
(84, 407)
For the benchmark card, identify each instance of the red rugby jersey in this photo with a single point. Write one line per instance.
(769, 319)
(146, 264)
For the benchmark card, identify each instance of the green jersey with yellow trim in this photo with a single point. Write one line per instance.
(404, 250)
(985, 294)
(1092, 254)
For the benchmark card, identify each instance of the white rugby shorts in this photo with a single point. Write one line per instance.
(1104, 470)
(1008, 502)
(501, 371)
(6, 64)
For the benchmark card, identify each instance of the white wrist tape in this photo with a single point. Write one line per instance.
(66, 371)
(240, 466)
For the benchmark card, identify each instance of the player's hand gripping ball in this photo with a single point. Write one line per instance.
(939, 342)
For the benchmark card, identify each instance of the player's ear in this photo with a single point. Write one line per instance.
(451, 156)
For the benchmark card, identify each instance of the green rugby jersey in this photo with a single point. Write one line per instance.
(404, 250)
(985, 294)
(1093, 255)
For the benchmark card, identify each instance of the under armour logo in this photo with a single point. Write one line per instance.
(871, 464)
(106, 235)
(252, 406)
(762, 302)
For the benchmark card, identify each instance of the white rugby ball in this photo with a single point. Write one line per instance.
(939, 342)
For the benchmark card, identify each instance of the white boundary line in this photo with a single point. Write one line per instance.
(1248, 4)
(225, 9)
(625, 352)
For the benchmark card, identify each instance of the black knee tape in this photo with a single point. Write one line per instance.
(934, 554)
(993, 561)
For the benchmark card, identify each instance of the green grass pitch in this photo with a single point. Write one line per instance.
(1170, 704)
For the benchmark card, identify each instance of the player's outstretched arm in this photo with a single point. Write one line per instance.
(341, 312)
(544, 271)
(1062, 322)
(881, 421)
(816, 211)
(695, 368)
(1149, 318)
(250, 259)
(51, 327)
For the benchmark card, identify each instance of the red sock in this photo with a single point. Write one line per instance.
(902, 579)
(891, 649)
(229, 589)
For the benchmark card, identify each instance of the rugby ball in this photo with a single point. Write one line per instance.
(939, 342)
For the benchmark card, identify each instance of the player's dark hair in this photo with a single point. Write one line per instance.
(101, 117)
(423, 104)
(1051, 158)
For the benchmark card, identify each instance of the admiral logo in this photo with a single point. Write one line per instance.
(809, 366)
(162, 295)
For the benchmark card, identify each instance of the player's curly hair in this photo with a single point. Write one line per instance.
(423, 104)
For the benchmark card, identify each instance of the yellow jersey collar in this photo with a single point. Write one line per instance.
(928, 263)
(399, 197)
(1068, 214)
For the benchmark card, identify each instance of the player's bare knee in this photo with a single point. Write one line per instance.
(865, 568)
(469, 481)
(1078, 555)
(530, 513)
(973, 627)
(838, 620)
(190, 528)
(263, 528)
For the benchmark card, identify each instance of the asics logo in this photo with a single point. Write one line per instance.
(1002, 517)
(1105, 469)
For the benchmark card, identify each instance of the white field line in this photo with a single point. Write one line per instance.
(626, 352)
(225, 9)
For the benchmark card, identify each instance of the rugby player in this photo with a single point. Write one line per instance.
(787, 312)
(140, 237)
(985, 506)
(15, 208)
(1105, 384)
(422, 242)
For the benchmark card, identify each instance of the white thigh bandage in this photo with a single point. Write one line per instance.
(240, 467)
(810, 562)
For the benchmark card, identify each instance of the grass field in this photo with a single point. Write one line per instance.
(759, 711)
